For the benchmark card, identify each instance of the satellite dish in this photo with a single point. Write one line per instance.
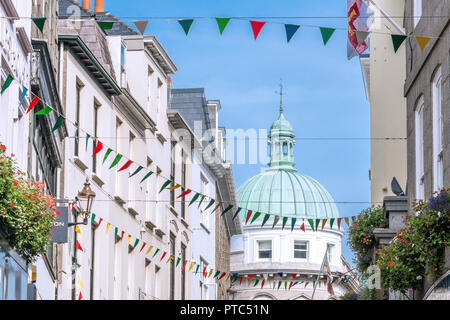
(395, 187)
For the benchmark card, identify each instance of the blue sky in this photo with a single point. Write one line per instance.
(325, 94)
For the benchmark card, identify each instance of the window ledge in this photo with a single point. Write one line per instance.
(133, 211)
(160, 233)
(150, 225)
(204, 227)
(172, 209)
(80, 164)
(184, 222)
(160, 137)
(97, 180)
(119, 200)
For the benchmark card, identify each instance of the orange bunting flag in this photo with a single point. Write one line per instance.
(129, 239)
(324, 222)
(170, 258)
(256, 27)
(33, 104)
(107, 227)
(174, 187)
(422, 41)
(347, 221)
(210, 273)
(191, 266)
(149, 249)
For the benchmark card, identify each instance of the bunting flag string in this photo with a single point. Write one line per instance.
(291, 29)
(7, 83)
(222, 23)
(256, 27)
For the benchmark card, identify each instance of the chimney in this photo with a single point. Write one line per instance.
(99, 6)
(86, 4)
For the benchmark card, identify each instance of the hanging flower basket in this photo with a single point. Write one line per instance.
(27, 213)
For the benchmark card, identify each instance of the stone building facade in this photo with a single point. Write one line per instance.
(428, 98)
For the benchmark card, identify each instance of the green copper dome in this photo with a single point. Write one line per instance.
(281, 189)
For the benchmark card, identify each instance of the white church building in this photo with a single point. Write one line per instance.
(280, 257)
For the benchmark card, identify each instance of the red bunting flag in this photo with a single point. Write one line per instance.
(223, 275)
(143, 246)
(33, 104)
(302, 227)
(164, 254)
(294, 275)
(184, 265)
(249, 214)
(256, 27)
(99, 222)
(126, 165)
(80, 296)
(290, 285)
(98, 148)
(121, 237)
(339, 223)
(184, 193)
(250, 276)
(204, 272)
(262, 284)
(78, 245)
(240, 280)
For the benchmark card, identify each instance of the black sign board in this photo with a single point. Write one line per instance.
(60, 232)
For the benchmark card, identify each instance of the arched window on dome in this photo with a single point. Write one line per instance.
(285, 148)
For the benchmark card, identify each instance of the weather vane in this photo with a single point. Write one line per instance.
(281, 95)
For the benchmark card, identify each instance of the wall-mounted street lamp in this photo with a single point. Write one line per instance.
(86, 195)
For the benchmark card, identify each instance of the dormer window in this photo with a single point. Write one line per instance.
(285, 148)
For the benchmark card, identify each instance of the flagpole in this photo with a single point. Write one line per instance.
(318, 277)
(387, 16)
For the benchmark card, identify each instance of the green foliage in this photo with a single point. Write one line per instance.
(27, 214)
(418, 247)
(361, 238)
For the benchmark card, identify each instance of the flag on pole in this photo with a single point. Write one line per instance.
(358, 20)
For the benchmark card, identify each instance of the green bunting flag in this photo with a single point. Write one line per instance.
(178, 261)
(326, 34)
(311, 223)
(291, 29)
(39, 22)
(59, 123)
(116, 160)
(106, 25)
(115, 233)
(136, 243)
(146, 176)
(256, 216)
(44, 111)
(266, 218)
(285, 219)
(92, 218)
(186, 24)
(194, 199)
(227, 209)
(196, 270)
(216, 274)
(108, 152)
(209, 204)
(279, 285)
(222, 23)
(156, 252)
(331, 223)
(201, 200)
(397, 40)
(7, 83)
(256, 282)
(165, 185)
(317, 223)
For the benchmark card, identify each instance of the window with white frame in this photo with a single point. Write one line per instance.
(417, 11)
(330, 252)
(300, 249)
(265, 249)
(438, 168)
(420, 190)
